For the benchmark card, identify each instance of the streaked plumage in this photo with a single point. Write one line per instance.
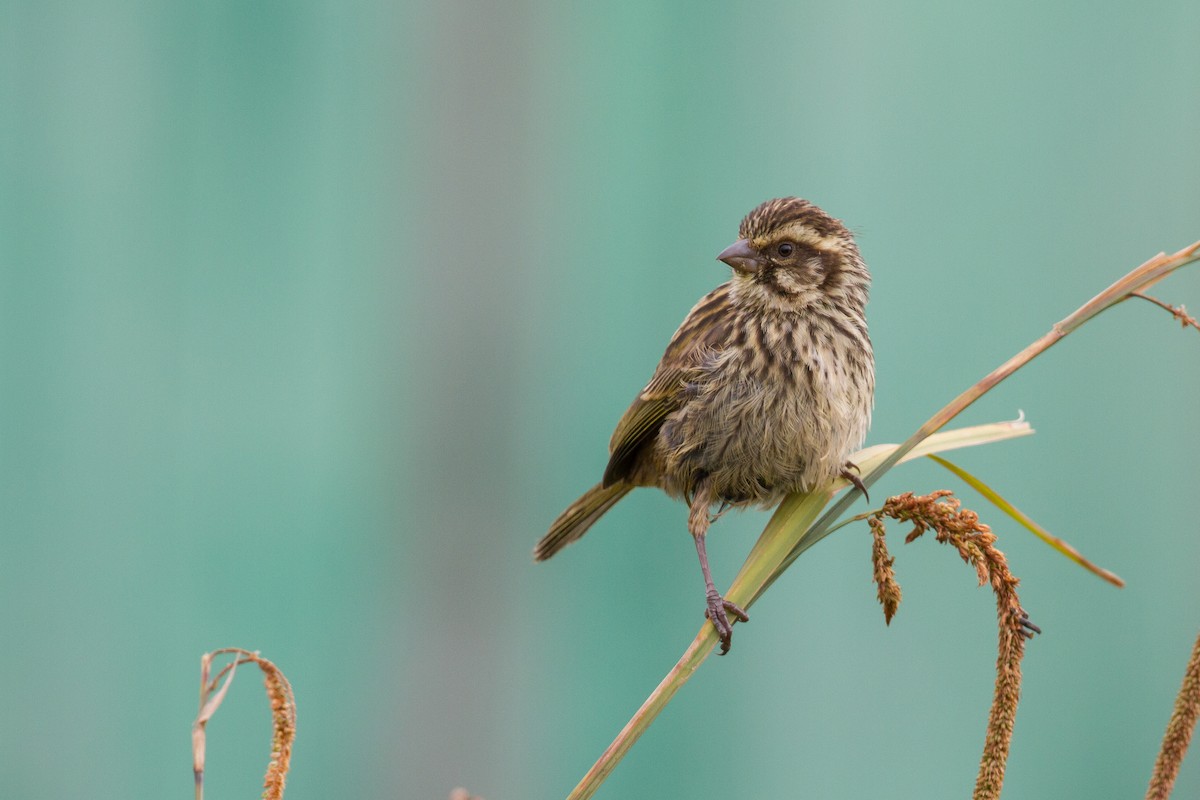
(764, 390)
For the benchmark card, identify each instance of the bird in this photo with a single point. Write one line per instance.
(765, 389)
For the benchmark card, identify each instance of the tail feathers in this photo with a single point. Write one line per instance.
(579, 516)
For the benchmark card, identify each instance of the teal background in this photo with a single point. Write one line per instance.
(314, 314)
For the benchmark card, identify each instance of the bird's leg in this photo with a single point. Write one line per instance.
(698, 522)
(850, 473)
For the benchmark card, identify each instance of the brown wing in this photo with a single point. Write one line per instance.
(704, 330)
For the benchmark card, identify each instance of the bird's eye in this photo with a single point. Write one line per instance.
(785, 249)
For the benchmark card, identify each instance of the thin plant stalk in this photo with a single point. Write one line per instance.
(793, 521)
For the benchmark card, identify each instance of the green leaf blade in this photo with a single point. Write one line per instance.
(1026, 522)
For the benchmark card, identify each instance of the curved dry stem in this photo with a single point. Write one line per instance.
(283, 714)
(1178, 312)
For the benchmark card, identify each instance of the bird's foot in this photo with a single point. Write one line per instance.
(1028, 629)
(725, 506)
(850, 473)
(716, 613)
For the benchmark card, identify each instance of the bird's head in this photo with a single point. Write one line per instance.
(791, 254)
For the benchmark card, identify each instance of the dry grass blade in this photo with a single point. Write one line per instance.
(283, 714)
(1179, 731)
(1037, 530)
(210, 700)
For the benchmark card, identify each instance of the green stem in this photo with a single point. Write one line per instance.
(699, 650)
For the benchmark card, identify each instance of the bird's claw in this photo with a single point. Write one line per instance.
(1028, 629)
(850, 473)
(717, 613)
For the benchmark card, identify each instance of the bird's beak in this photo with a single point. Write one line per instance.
(741, 256)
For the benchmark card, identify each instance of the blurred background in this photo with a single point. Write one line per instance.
(314, 315)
